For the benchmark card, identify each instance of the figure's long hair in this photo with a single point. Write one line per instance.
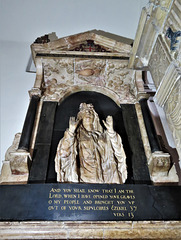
(96, 123)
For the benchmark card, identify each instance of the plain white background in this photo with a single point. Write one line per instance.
(22, 21)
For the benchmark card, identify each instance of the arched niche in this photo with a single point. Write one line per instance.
(103, 105)
(54, 119)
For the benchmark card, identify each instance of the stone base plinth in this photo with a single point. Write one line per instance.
(91, 230)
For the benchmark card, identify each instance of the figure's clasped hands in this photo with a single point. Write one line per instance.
(109, 124)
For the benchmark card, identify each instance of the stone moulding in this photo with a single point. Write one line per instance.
(91, 230)
(115, 44)
(63, 93)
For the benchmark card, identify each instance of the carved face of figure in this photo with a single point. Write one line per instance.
(86, 114)
(89, 118)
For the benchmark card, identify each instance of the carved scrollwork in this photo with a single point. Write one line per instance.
(61, 75)
(120, 80)
(54, 91)
(59, 69)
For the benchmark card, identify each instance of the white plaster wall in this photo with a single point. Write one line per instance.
(22, 21)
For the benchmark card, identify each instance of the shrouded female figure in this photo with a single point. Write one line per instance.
(88, 154)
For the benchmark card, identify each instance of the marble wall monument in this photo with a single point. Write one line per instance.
(90, 156)
(93, 61)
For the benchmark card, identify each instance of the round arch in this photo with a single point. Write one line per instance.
(69, 106)
(91, 88)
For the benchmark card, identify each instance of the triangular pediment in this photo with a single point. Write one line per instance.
(94, 41)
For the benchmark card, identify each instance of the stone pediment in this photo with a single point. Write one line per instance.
(88, 43)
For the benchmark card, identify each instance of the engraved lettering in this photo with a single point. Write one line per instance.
(104, 202)
(63, 208)
(67, 190)
(87, 202)
(77, 190)
(75, 208)
(100, 196)
(118, 214)
(71, 201)
(107, 190)
(85, 196)
(52, 207)
(56, 201)
(100, 208)
(55, 195)
(118, 208)
(114, 196)
(93, 190)
(121, 191)
(129, 191)
(133, 208)
(131, 215)
(120, 202)
(69, 196)
(55, 190)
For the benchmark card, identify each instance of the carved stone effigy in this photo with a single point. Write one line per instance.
(99, 153)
